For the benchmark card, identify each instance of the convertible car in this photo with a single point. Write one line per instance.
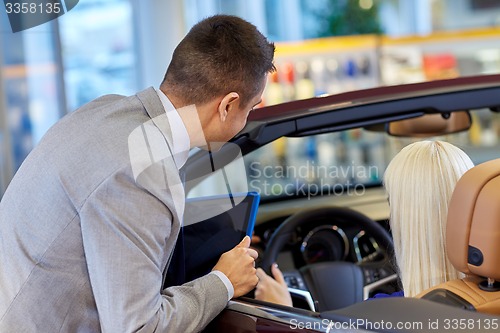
(323, 215)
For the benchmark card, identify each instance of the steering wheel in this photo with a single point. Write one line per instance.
(336, 284)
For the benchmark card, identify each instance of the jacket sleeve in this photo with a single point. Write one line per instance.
(126, 231)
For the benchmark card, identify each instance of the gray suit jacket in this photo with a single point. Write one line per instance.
(85, 234)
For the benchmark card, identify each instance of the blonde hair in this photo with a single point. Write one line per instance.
(419, 181)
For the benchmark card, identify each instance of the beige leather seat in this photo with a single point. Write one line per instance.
(473, 241)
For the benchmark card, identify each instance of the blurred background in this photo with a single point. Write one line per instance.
(323, 47)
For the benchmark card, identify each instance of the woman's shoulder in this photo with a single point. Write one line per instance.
(394, 294)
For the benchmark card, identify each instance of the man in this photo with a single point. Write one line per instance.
(89, 222)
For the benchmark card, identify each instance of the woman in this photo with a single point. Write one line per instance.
(419, 181)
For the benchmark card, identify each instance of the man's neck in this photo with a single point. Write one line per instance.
(190, 117)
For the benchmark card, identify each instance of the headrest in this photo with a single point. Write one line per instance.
(473, 226)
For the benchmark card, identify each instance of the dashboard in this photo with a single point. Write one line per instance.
(328, 239)
(321, 241)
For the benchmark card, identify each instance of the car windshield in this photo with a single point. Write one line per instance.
(344, 162)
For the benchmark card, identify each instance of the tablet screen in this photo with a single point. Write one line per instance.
(207, 240)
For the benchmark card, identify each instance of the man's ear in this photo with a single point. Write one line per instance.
(227, 103)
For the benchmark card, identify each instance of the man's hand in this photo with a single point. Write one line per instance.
(238, 265)
(271, 290)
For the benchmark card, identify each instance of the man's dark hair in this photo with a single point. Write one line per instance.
(218, 55)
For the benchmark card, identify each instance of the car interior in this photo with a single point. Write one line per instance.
(332, 241)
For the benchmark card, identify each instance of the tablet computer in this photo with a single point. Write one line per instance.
(232, 217)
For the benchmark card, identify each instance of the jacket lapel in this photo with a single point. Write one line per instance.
(153, 106)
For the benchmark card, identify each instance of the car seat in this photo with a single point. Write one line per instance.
(473, 242)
